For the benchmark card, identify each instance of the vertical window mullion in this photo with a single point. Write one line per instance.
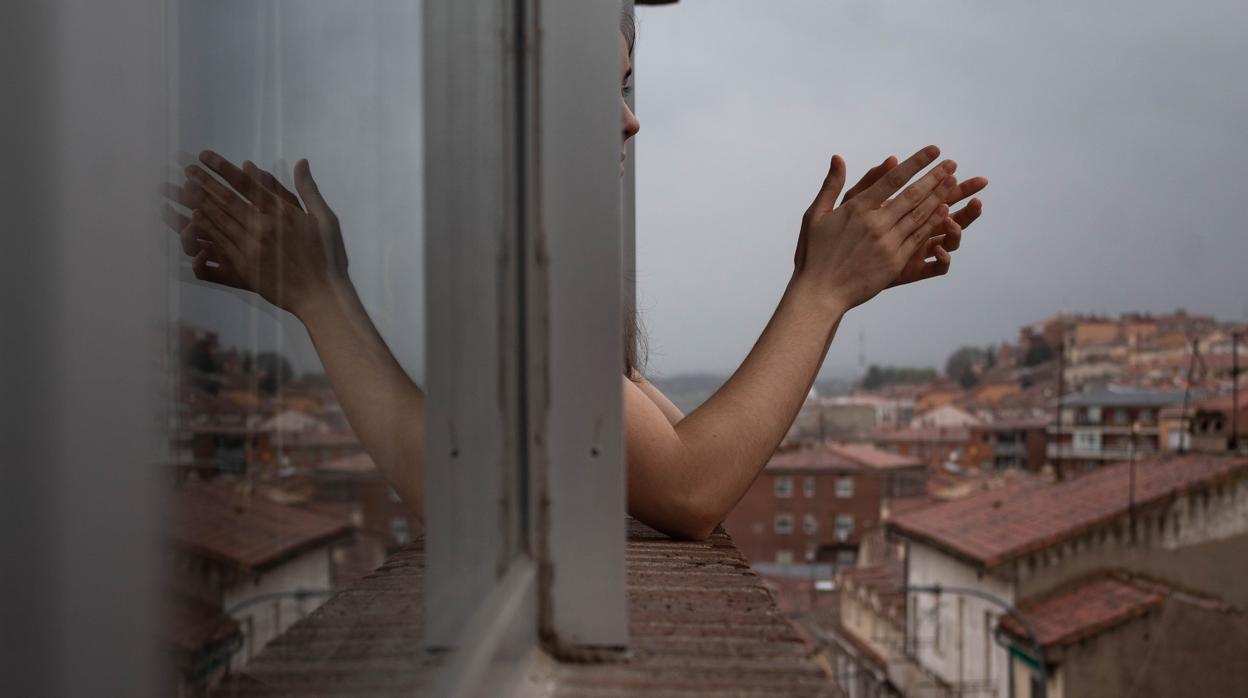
(574, 272)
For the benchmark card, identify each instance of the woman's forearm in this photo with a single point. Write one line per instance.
(687, 480)
(384, 406)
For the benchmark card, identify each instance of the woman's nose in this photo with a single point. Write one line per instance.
(631, 124)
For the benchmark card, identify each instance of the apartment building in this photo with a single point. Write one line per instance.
(1101, 426)
(813, 504)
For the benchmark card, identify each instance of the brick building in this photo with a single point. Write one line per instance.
(815, 503)
(933, 446)
(1008, 443)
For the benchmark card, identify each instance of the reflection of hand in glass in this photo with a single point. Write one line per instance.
(256, 235)
(266, 240)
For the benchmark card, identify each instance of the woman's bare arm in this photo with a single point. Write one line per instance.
(289, 249)
(685, 477)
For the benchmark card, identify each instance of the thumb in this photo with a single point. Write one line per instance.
(832, 185)
(310, 193)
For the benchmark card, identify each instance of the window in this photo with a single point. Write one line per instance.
(1087, 441)
(844, 526)
(1094, 415)
(399, 530)
(810, 524)
(808, 487)
(783, 524)
(1146, 416)
(844, 487)
(783, 486)
(845, 558)
(1120, 416)
(784, 556)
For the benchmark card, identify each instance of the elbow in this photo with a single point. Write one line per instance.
(695, 520)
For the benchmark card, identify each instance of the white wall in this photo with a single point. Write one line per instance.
(309, 571)
(964, 652)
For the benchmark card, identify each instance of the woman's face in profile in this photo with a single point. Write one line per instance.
(628, 118)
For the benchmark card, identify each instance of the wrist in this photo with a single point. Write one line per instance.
(805, 292)
(332, 299)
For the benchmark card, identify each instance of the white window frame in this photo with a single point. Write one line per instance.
(525, 483)
(842, 529)
(782, 524)
(845, 487)
(782, 486)
(1084, 440)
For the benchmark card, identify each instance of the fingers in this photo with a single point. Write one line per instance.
(268, 181)
(871, 177)
(968, 213)
(939, 179)
(310, 193)
(207, 189)
(948, 235)
(218, 274)
(243, 183)
(917, 218)
(931, 226)
(937, 267)
(825, 200)
(966, 188)
(896, 178)
(224, 231)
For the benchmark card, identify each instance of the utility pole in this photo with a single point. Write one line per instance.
(1235, 391)
(1061, 388)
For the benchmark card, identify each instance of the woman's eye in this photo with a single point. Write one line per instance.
(626, 90)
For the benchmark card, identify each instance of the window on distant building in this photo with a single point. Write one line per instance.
(1146, 416)
(784, 556)
(808, 487)
(1094, 415)
(1087, 441)
(844, 526)
(844, 487)
(810, 524)
(1120, 416)
(783, 524)
(399, 530)
(784, 486)
(845, 558)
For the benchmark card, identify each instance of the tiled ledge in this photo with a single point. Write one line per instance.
(701, 624)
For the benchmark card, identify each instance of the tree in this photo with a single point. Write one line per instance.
(275, 371)
(880, 376)
(1038, 352)
(966, 364)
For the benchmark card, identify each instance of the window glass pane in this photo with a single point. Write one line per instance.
(277, 415)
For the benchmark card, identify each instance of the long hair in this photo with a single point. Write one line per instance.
(634, 337)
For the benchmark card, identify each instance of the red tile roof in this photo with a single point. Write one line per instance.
(839, 456)
(937, 434)
(248, 532)
(1084, 610)
(993, 527)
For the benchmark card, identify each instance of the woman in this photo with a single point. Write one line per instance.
(684, 472)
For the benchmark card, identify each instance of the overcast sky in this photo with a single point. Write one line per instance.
(1113, 134)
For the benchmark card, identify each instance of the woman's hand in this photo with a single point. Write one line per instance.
(851, 252)
(259, 236)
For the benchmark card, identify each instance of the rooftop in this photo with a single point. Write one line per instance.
(991, 528)
(944, 434)
(1123, 397)
(1087, 609)
(701, 624)
(839, 456)
(249, 532)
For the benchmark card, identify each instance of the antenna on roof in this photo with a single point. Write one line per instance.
(1187, 392)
